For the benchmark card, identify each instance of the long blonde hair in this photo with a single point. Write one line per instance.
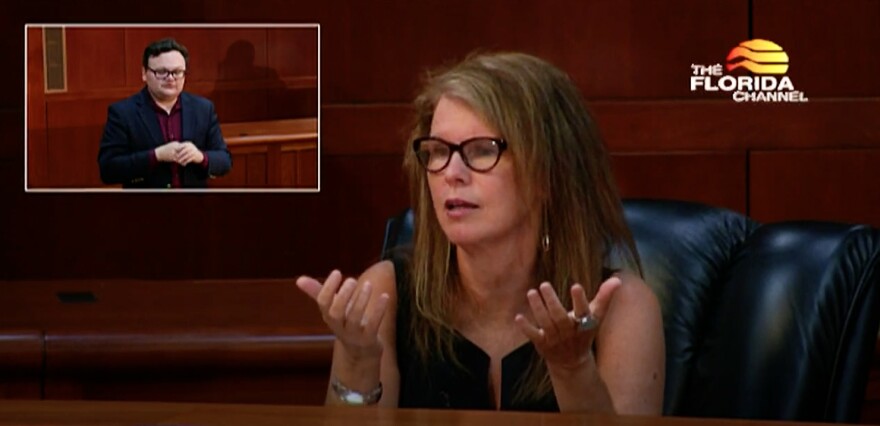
(559, 161)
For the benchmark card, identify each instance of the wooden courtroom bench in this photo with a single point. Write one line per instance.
(21, 363)
(225, 341)
(272, 154)
(240, 341)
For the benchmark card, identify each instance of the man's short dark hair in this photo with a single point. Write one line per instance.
(159, 47)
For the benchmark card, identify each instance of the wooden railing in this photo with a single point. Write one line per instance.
(272, 154)
(260, 341)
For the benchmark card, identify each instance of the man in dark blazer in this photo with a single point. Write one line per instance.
(163, 137)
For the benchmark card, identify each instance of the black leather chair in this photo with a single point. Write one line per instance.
(772, 321)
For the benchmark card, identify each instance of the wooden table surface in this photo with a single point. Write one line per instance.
(142, 413)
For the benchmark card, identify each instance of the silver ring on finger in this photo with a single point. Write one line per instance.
(585, 322)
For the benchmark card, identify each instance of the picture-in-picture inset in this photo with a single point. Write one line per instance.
(180, 108)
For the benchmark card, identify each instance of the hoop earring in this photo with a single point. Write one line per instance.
(545, 240)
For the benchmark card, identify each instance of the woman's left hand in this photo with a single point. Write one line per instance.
(555, 333)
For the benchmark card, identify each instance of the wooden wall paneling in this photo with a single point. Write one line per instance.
(13, 217)
(291, 102)
(99, 11)
(64, 113)
(283, 386)
(21, 363)
(714, 178)
(293, 52)
(307, 168)
(610, 59)
(273, 166)
(237, 176)
(13, 148)
(257, 169)
(374, 133)
(364, 129)
(215, 54)
(73, 157)
(239, 104)
(225, 341)
(832, 47)
(361, 192)
(726, 126)
(259, 235)
(36, 114)
(288, 165)
(73, 139)
(12, 41)
(833, 184)
(648, 126)
(286, 235)
(121, 306)
(95, 59)
(107, 235)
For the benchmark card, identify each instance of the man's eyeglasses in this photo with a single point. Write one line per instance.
(163, 73)
(480, 154)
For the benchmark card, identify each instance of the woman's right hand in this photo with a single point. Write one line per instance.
(350, 311)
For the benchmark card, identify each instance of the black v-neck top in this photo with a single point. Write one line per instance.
(442, 384)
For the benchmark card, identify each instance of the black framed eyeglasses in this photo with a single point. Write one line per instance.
(480, 154)
(163, 73)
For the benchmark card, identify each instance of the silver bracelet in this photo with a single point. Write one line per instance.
(353, 397)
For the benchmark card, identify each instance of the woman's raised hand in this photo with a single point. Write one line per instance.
(556, 333)
(350, 310)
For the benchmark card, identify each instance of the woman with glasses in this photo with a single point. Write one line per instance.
(523, 288)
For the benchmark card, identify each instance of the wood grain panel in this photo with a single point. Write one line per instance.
(611, 49)
(21, 363)
(723, 125)
(95, 58)
(832, 46)
(233, 104)
(161, 236)
(364, 129)
(12, 29)
(72, 159)
(69, 113)
(288, 168)
(215, 54)
(257, 169)
(292, 102)
(293, 51)
(185, 349)
(73, 138)
(307, 168)
(626, 126)
(36, 114)
(649, 126)
(237, 176)
(360, 191)
(12, 145)
(64, 235)
(714, 178)
(226, 341)
(288, 387)
(263, 306)
(834, 184)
